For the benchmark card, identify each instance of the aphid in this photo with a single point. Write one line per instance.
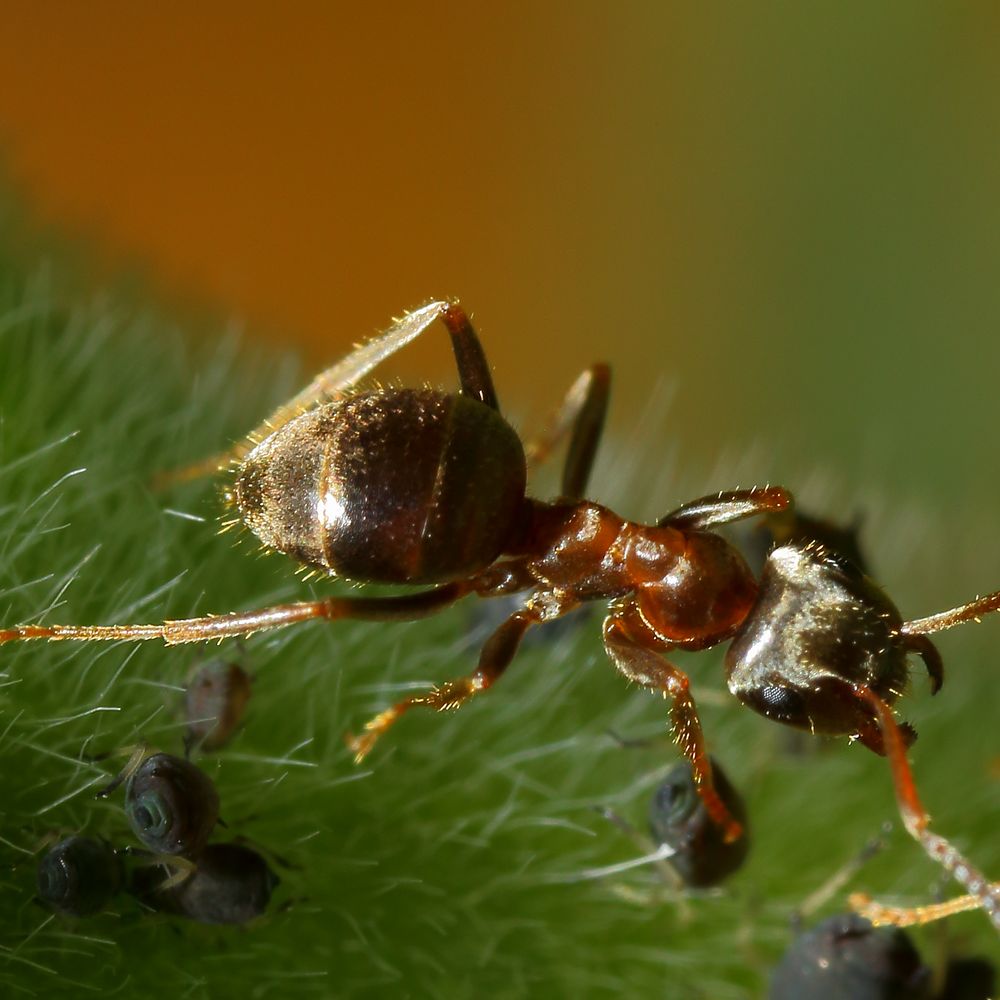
(969, 979)
(79, 876)
(845, 958)
(416, 486)
(232, 884)
(678, 818)
(171, 804)
(215, 701)
(795, 527)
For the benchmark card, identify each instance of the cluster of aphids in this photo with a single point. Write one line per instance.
(172, 807)
(844, 957)
(427, 488)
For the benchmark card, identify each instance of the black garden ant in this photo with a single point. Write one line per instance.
(417, 486)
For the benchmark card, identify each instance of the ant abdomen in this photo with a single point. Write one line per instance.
(407, 486)
(819, 628)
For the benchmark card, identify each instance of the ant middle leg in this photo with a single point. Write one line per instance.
(915, 817)
(636, 653)
(405, 607)
(495, 657)
(708, 513)
(582, 412)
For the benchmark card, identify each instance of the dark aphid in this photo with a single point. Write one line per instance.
(79, 876)
(845, 958)
(678, 818)
(794, 527)
(215, 701)
(422, 487)
(969, 979)
(172, 805)
(232, 884)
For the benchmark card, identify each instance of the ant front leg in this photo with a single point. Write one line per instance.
(708, 513)
(495, 657)
(635, 650)
(915, 818)
(582, 412)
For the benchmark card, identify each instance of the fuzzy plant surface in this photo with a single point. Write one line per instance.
(467, 856)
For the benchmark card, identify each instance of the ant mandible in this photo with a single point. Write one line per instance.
(416, 486)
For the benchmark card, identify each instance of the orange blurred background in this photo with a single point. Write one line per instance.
(790, 212)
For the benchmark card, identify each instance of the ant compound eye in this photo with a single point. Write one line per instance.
(171, 805)
(232, 884)
(78, 876)
(678, 819)
(783, 704)
(846, 957)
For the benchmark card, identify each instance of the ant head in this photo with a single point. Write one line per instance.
(819, 627)
(172, 805)
(275, 489)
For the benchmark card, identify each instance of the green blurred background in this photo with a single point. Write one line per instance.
(789, 209)
(779, 222)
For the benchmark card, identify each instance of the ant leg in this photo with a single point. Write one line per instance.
(915, 817)
(909, 916)
(583, 410)
(927, 651)
(473, 371)
(402, 608)
(496, 655)
(972, 611)
(634, 651)
(716, 509)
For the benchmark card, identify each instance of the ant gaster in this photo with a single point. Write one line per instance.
(410, 486)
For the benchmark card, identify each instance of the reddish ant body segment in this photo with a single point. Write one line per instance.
(423, 487)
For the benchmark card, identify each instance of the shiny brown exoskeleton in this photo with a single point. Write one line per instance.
(423, 487)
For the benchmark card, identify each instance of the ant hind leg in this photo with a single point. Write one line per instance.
(582, 412)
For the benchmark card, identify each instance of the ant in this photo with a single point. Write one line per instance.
(417, 486)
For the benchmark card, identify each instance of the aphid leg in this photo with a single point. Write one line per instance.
(496, 655)
(473, 370)
(915, 817)
(819, 896)
(137, 755)
(402, 608)
(710, 512)
(582, 412)
(909, 916)
(672, 881)
(181, 868)
(635, 651)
